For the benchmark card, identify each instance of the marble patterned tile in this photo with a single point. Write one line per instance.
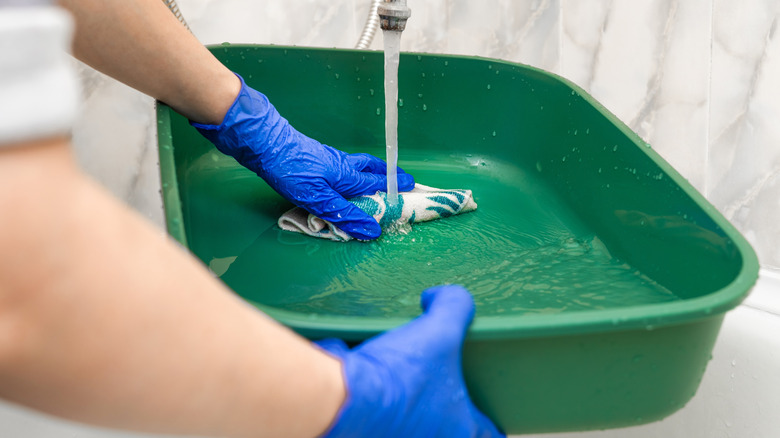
(647, 62)
(522, 31)
(426, 30)
(114, 140)
(744, 158)
(290, 22)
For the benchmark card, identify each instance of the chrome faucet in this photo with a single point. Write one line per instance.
(393, 14)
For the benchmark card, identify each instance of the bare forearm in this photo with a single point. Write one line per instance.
(140, 43)
(103, 320)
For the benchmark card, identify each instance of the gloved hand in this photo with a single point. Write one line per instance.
(408, 382)
(306, 172)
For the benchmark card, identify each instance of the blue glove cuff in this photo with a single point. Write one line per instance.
(364, 410)
(250, 128)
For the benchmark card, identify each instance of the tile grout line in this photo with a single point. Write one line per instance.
(708, 119)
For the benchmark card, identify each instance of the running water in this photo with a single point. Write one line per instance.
(392, 40)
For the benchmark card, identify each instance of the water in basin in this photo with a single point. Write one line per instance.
(522, 251)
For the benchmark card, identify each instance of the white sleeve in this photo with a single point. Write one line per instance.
(39, 93)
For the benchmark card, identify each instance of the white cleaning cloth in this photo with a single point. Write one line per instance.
(421, 204)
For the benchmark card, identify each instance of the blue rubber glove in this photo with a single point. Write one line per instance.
(306, 172)
(408, 382)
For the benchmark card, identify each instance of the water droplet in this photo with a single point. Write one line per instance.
(259, 61)
(541, 107)
(329, 67)
(419, 95)
(400, 102)
(488, 86)
(446, 63)
(575, 132)
(494, 133)
(497, 71)
(599, 170)
(614, 148)
(419, 58)
(734, 363)
(336, 75)
(371, 90)
(573, 92)
(490, 67)
(226, 43)
(378, 111)
(425, 107)
(539, 166)
(422, 74)
(564, 158)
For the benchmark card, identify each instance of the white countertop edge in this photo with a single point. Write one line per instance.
(766, 293)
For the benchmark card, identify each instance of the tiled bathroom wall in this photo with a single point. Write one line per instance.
(697, 79)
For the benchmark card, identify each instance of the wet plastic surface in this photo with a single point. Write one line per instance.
(601, 276)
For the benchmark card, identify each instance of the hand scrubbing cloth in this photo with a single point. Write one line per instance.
(421, 204)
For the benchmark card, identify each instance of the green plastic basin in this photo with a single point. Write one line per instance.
(601, 276)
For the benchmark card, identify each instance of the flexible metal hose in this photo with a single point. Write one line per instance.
(176, 12)
(369, 30)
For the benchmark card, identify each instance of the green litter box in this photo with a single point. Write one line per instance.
(601, 277)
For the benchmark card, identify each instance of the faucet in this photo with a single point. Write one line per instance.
(393, 14)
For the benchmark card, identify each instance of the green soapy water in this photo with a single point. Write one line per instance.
(521, 252)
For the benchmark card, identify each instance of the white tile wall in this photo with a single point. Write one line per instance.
(744, 148)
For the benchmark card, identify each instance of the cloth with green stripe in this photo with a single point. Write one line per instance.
(421, 204)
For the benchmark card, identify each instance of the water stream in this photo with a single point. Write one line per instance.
(392, 41)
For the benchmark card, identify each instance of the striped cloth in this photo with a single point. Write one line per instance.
(421, 204)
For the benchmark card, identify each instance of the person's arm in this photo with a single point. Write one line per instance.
(103, 320)
(140, 43)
